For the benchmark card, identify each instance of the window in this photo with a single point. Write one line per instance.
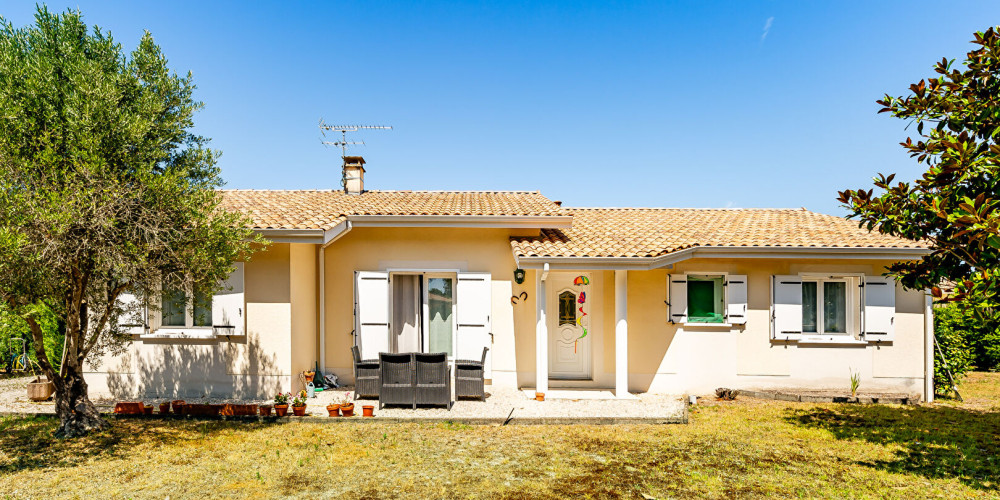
(175, 311)
(567, 308)
(705, 299)
(824, 306)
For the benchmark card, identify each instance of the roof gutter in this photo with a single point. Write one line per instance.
(732, 252)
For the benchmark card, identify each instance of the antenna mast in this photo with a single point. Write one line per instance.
(344, 129)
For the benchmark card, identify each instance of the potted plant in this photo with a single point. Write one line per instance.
(178, 405)
(333, 409)
(147, 409)
(265, 410)
(299, 404)
(309, 375)
(281, 403)
(368, 411)
(164, 408)
(347, 405)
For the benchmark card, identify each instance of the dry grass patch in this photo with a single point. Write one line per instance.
(745, 448)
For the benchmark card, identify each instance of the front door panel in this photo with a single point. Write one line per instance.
(569, 325)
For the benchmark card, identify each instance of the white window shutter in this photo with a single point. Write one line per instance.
(474, 305)
(677, 295)
(371, 296)
(787, 306)
(880, 308)
(228, 308)
(736, 299)
(134, 319)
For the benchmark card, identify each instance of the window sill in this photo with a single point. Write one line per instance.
(180, 333)
(831, 339)
(706, 325)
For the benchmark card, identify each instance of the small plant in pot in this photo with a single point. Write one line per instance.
(347, 405)
(281, 403)
(855, 382)
(299, 404)
(265, 410)
(333, 409)
(164, 408)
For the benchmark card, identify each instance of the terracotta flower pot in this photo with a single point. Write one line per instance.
(164, 408)
(129, 408)
(309, 376)
(539, 396)
(147, 410)
(347, 410)
(281, 410)
(300, 411)
(178, 406)
(333, 410)
(265, 410)
(368, 411)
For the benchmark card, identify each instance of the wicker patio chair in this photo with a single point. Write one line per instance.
(365, 375)
(396, 380)
(470, 378)
(433, 379)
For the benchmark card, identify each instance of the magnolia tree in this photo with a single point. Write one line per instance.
(104, 190)
(954, 205)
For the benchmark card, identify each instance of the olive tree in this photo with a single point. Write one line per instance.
(104, 190)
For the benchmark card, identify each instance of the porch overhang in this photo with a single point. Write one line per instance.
(719, 252)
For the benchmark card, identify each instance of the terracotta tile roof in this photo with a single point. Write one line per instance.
(324, 209)
(652, 232)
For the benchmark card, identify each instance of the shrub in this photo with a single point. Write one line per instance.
(954, 326)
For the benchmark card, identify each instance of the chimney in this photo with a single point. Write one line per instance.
(354, 175)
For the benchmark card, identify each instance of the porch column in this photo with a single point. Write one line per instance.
(541, 335)
(621, 334)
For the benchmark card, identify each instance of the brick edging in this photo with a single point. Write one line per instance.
(808, 398)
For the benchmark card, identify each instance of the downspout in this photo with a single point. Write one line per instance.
(929, 349)
(322, 294)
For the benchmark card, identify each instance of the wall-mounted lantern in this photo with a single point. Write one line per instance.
(519, 276)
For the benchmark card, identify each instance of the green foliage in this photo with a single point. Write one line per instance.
(953, 326)
(103, 187)
(855, 382)
(969, 338)
(953, 206)
(13, 326)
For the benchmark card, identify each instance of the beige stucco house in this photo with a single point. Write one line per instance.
(634, 300)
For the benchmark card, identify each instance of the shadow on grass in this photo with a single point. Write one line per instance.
(28, 442)
(934, 442)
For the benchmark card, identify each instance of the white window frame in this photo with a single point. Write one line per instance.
(189, 329)
(725, 300)
(854, 309)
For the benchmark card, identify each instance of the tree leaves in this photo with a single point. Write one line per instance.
(953, 205)
(103, 186)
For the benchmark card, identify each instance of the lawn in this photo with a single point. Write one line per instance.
(746, 448)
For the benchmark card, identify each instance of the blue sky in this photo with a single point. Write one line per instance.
(680, 104)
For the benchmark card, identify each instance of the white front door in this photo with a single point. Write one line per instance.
(569, 325)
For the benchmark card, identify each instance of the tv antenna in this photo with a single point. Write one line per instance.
(344, 129)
